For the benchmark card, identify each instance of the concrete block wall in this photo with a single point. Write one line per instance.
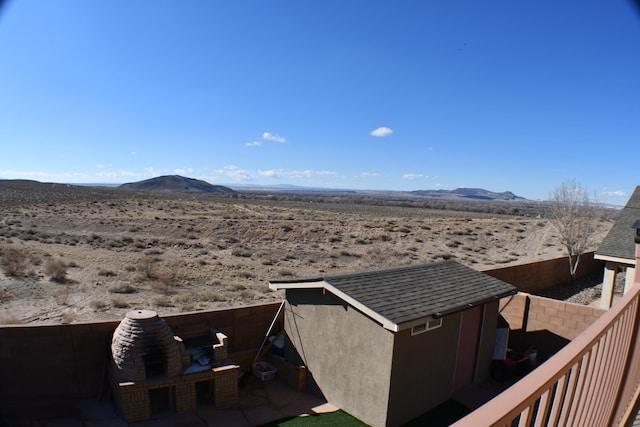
(531, 277)
(69, 361)
(543, 323)
(65, 361)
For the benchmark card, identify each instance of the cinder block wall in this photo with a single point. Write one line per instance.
(545, 324)
(68, 361)
(65, 361)
(534, 276)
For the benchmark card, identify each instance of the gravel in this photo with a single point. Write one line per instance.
(584, 291)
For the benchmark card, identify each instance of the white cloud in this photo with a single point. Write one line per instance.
(381, 132)
(272, 173)
(254, 144)
(310, 173)
(413, 176)
(115, 174)
(44, 176)
(181, 171)
(280, 173)
(271, 137)
(614, 193)
(368, 175)
(133, 153)
(234, 172)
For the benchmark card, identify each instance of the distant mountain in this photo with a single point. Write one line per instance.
(467, 193)
(177, 184)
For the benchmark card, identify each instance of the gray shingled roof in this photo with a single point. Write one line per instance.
(409, 293)
(619, 242)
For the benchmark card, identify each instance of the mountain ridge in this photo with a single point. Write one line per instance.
(468, 193)
(176, 184)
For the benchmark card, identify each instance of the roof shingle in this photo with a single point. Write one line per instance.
(619, 242)
(409, 293)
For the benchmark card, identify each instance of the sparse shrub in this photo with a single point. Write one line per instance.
(56, 269)
(163, 287)
(210, 296)
(185, 298)
(10, 320)
(5, 295)
(285, 273)
(162, 302)
(248, 294)
(148, 268)
(245, 274)
(236, 287)
(122, 288)
(14, 262)
(241, 252)
(106, 273)
(98, 304)
(119, 302)
(68, 317)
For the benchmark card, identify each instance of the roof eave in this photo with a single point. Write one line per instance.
(619, 260)
(323, 284)
(456, 309)
(314, 283)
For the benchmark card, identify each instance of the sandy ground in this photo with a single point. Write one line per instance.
(185, 254)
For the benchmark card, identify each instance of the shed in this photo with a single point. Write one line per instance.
(389, 345)
(618, 250)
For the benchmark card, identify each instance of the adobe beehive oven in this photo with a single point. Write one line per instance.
(154, 371)
(143, 346)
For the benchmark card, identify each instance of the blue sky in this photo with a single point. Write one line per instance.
(404, 95)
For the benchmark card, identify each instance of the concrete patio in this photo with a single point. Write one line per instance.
(258, 403)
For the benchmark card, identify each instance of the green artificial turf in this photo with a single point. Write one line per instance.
(330, 419)
(441, 416)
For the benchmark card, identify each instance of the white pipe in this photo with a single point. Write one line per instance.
(269, 331)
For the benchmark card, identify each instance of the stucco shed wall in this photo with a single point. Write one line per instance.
(347, 355)
(423, 370)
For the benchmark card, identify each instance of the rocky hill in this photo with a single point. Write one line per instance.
(177, 184)
(467, 193)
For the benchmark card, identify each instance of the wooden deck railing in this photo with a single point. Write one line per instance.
(593, 381)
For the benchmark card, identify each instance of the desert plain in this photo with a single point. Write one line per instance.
(118, 250)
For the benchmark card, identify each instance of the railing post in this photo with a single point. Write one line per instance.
(631, 377)
(627, 377)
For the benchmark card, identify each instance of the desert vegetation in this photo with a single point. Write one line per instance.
(93, 254)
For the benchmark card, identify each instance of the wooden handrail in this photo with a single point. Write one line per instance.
(592, 381)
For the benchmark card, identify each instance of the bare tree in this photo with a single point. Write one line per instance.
(575, 217)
